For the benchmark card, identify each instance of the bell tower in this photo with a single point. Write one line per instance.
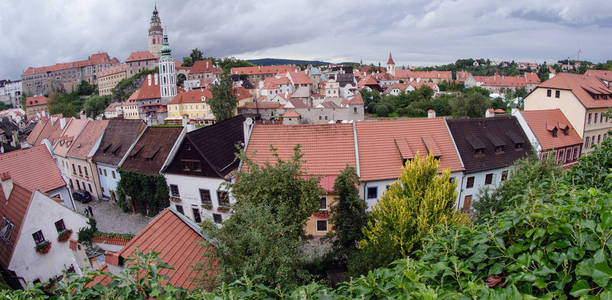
(156, 34)
(391, 65)
(167, 73)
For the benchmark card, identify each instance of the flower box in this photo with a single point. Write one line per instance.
(64, 235)
(43, 247)
(322, 214)
(207, 206)
(223, 209)
(175, 199)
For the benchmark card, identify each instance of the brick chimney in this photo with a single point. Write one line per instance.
(7, 184)
(111, 258)
(431, 113)
(490, 113)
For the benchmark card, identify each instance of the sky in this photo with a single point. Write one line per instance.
(418, 33)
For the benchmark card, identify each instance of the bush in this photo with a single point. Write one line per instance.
(382, 110)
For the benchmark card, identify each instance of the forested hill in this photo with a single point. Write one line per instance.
(282, 61)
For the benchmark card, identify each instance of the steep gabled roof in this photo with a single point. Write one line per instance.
(384, 145)
(36, 101)
(327, 148)
(35, 133)
(203, 66)
(486, 134)
(148, 89)
(390, 60)
(85, 142)
(34, 168)
(193, 96)
(264, 70)
(140, 55)
(584, 87)
(540, 121)
(151, 150)
(117, 139)
(68, 136)
(15, 210)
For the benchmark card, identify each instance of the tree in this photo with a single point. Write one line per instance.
(283, 185)
(85, 89)
(62, 104)
(223, 101)
(348, 214)
(195, 55)
(254, 243)
(95, 105)
(410, 209)
(470, 104)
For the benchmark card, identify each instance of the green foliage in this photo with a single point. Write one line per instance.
(604, 66)
(126, 87)
(410, 209)
(226, 64)
(86, 89)
(452, 86)
(283, 186)
(148, 193)
(254, 243)
(348, 215)
(195, 55)
(95, 105)
(68, 105)
(4, 106)
(472, 103)
(483, 67)
(223, 101)
(127, 236)
(85, 235)
(526, 175)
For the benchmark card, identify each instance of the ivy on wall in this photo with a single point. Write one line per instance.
(143, 193)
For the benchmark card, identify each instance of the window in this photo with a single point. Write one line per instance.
(504, 175)
(86, 174)
(601, 118)
(196, 215)
(100, 171)
(548, 93)
(78, 184)
(323, 203)
(321, 225)
(489, 178)
(595, 119)
(90, 190)
(113, 173)
(372, 192)
(467, 203)
(499, 149)
(470, 182)
(191, 165)
(561, 155)
(179, 208)
(174, 191)
(223, 198)
(80, 171)
(354, 109)
(479, 151)
(518, 146)
(105, 174)
(217, 218)
(205, 196)
(60, 226)
(599, 139)
(71, 185)
(589, 119)
(557, 94)
(7, 229)
(587, 141)
(73, 169)
(38, 237)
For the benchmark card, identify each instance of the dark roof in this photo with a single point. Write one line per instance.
(216, 145)
(151, 150)
(488, 134)
(117, 139)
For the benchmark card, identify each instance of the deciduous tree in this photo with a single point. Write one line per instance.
(223, 101)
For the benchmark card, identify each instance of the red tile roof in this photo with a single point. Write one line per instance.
(583, 87)
(36, 100)
(179, 243)
(113, 70)
(407, 74)
(264, 70)
(94, 59)
(383, 145)
(193, 96)
(204, 66)
(357, 99)
(300, 77)
(242, 93)
(390, 60)
(14, 210)
(140, 55)
(272, 83)
(540, 121)
(33, 168)
(260, 105)
(36, 131)
(148, 91)
(601, 74)
(84, 143)
(508, 81)
(327, 148)
(291, 114)
(66, 139)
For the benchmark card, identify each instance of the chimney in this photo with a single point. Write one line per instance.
(7, 184)
(207, 65)
(490, 113)
(185, 121)
(111, 258)
(63, 123)
(247, 126)
(431, 113)
(149, 79)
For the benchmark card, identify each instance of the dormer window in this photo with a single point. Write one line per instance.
(518, 146)
(499, 149)
(479, 151)
(554, 132)
(566, 131)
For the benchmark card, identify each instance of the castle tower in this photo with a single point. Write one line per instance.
(167, 73)
(391, 65)
(156, 33)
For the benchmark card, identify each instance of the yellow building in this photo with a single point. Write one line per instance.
(192, 104)
(319, 224)
(583, 99)
(110, 77)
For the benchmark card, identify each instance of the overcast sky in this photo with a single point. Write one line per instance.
(38, 33)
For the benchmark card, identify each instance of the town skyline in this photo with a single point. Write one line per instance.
(417, 33)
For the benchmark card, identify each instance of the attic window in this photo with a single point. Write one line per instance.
(566, 131)
(116, 149)
(106, 148)
(554, 132)
(499, 149)
(518, 146)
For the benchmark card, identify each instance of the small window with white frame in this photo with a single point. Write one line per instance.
(322, 225)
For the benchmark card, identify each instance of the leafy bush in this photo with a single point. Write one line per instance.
(148, 193)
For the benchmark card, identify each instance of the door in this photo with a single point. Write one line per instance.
(112, 194)
(467, 203)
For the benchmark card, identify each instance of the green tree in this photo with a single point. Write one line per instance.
(95, 105)
(195, 55)
(62, 104)
(144, 193)
(470, 104)
(86, 89)
(409, 210)
(282, 185)
(348, 215)
(254, 243)
(223, 101)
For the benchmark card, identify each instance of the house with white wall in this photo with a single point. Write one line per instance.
(488, 148)
(38, 236)
(202, 165)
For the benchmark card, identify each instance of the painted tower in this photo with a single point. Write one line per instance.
(167, 73)
(156, 33)
(391, 65)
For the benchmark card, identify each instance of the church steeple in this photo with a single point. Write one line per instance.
(391, 65)
(155, 34)
(167, 72)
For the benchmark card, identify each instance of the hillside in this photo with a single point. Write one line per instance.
(282, 61)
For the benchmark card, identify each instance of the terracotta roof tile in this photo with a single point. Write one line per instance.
(140, 55)
(148, 91)
(203, 66)
(193, 96)
(36, 100)
(83, 145)
(291, 114)
(540, 120)
(264, 69)
(407, 74)
(583, 87)
(390, 60)
(14, 210)
(327, 148)
(33, 168)
(68, 136)
(383, 143)
(300, 77)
